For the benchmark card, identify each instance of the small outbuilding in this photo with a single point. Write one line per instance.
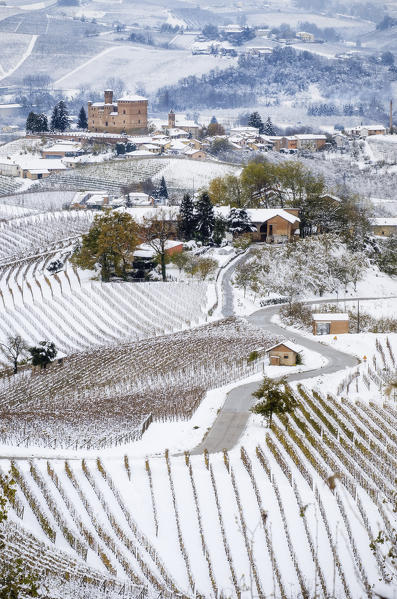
(284, 354)
(330, 323)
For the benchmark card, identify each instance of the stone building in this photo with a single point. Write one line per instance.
(127, 115)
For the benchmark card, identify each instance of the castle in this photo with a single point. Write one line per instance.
(127, 115)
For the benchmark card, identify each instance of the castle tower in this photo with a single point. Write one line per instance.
(108, 96)
(171, 119)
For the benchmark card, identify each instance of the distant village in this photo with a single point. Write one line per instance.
(124, 125)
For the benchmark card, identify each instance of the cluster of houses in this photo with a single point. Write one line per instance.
(251, 139)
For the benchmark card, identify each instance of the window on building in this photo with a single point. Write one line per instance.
(285, 357)
(139, 121)
(123, 111)
(106, 124)
(139, 112)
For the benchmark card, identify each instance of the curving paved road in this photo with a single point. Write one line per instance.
(232, 419)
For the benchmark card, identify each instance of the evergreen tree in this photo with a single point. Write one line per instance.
(268, 128)
(219, 230)
(31, 123)
(54, 126)
(205, 218)
(36, 123)
(187, 219)
(42, 122)
(276, 398)
(238, 222)
(256, 121)
(82, 122)
(63, 116)
(162, 192)
(43, 353)
(59, 117)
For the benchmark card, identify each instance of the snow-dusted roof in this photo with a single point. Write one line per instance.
(292, 346)
(191, 151)
(138, 213)
(30, 163)
(261, 215)
(326, 316)
(66, 146)
(132, 98)
(146, 251)
(310, 136)
(385, 222)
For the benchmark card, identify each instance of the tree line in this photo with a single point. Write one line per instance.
(289, 184)
(59, 121)
(285, 70)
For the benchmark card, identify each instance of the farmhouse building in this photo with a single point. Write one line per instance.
(127, 115)
(331, 323)
(274, 225)
(283, 354)
(310, 141)
(62, 150)
(384, 226)
(39, 168)
(366, 130)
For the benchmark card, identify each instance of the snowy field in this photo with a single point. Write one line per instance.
(153, 67)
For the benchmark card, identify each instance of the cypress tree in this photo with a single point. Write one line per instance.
(82, 122)
(205, 218)
(187, 219)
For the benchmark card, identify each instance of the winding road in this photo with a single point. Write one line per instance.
(233, 417)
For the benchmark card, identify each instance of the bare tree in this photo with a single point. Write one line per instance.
(156, 231)
(14, 350)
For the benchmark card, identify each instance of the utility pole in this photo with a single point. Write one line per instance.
(391, 117)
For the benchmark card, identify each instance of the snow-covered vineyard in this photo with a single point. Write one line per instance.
(35, 234)
(112, 175)
(290, 513)
(78, 313)
(108, 396)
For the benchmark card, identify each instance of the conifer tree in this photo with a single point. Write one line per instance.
(36, 123)
(60, 117)
(54, 119)
(162, 192)
(256, 121)
(63, 116)
(205, 218)
(268, 128)
(82, 122)
(187, 219)
(238, 222)
(31, 123)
